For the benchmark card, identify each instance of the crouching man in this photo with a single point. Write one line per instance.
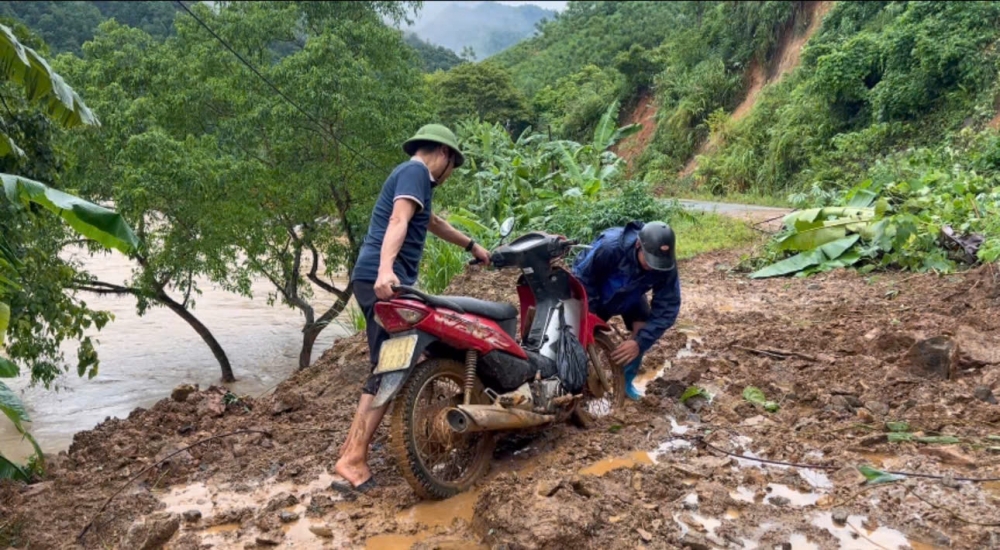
(624, 264)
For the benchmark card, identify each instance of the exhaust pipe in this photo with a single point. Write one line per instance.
(488, 418)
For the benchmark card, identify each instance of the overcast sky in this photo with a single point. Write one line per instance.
(557, 6)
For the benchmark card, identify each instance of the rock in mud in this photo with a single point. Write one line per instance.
(548, 487)
(780, 502)
(877, 408)
(323, 531)
(695, 541)
(985, 395)
(153, 533)
(181, 393)
(288, 517)
(504, 517)
(191, 516)
(288, 402)
(977, 349)
(934, 358)
(270, 539)
(282, 500)
(212, 406)
(840, 516)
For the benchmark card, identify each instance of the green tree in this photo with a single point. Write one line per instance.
(65, 26)
(246, 184)
(482, 90)
(433, 58)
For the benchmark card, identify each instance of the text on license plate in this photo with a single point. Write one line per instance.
(396, 354)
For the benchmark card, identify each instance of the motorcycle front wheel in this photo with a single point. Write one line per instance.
(437, 462)
(597, 401)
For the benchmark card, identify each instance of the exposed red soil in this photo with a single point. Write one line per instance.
(785, 60)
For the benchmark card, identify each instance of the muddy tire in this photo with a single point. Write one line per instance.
(411, 433)
(600, 358)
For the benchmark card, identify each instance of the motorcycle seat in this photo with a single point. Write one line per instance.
(491, 310)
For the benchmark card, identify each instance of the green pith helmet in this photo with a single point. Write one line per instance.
(436, 133)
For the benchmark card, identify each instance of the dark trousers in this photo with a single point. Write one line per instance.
(638, 311)
(364, 293)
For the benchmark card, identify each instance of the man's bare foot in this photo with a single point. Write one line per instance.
(354, 472)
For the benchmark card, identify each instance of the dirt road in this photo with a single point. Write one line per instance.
(840, 355)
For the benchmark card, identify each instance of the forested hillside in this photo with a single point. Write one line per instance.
(485, 28)
(65, 26)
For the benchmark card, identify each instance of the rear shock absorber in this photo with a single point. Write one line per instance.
(471, 357)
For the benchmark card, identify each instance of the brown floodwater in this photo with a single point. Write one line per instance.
(144, 358)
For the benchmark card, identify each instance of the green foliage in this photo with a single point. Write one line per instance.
(34, 305)
(65, 26)
(896, 217)
(875, 477)
(230, 181)
(756, 396)
(694, 391)
(483, 91)
(877, 77)
(575, 103)
(443, 261)
(433, 58)
(706, 68)
(591, 33)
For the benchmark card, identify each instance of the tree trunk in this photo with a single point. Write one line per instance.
(311, 331)
(309, 336)
(202, 330)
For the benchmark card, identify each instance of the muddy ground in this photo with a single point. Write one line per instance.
(840, 354)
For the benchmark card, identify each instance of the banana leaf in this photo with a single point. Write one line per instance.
(90, 220)
(8, 147)
(8, 369)
(4, 320)
(9, 470)
(810, 218)
(799, 262)
(22, 65)
(14, 410)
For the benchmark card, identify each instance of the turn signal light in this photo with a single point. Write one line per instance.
(411, 316)
(396, 318)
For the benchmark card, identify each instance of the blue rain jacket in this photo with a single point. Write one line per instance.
(616, 282)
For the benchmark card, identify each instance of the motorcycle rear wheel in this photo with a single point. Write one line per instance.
(592, 407)
(422, 443)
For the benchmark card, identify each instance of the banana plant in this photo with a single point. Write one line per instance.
(43, 87)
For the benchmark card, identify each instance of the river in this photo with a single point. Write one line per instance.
(144, 358)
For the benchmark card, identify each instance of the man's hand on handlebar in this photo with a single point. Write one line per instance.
(384, 285)
(481, 254)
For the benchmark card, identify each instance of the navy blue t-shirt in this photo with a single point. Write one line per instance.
(411, 180)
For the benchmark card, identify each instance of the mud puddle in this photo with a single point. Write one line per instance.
(429, 517)
(644, 378)
(227, 510)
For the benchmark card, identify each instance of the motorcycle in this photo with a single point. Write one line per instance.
(459, 370)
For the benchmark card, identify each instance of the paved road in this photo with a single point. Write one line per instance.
(750, 212)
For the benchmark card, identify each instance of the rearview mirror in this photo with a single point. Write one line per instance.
(507, 227)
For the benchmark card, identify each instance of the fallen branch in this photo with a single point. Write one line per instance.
(701, 440)
(961, 292)
(90, 523)
(778, 353)
(951, 512)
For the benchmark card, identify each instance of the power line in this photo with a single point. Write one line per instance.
(250, 66)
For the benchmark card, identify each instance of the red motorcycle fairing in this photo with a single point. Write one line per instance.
(462, 331)
(591, 323)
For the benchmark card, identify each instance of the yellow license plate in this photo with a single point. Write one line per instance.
(396, 354)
